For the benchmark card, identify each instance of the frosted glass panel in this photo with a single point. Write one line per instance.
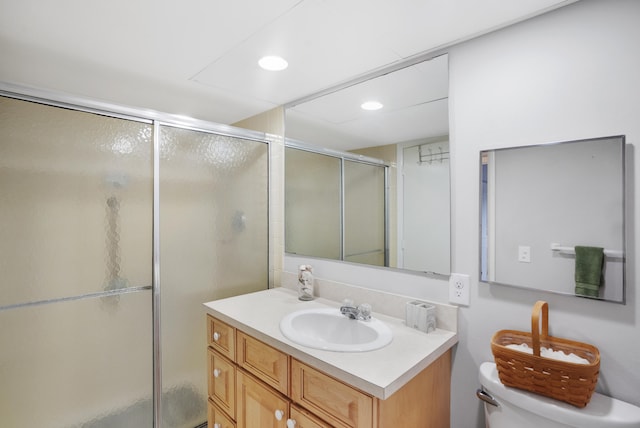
(77, 364)
(76, 191)
(364, 213)
(312, 204)
(214, 244)
(76, 198)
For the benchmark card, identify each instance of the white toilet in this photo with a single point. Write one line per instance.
(510, 407)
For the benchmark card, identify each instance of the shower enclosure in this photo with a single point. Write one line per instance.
(114, 228)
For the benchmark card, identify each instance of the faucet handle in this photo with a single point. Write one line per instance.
(365, 310)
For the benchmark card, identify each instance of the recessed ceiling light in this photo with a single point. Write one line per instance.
(371, 105)
(273, 63)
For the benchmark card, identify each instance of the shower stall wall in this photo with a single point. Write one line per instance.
(113, 230)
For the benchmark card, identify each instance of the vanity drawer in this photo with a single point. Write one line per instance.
(217, 418)
(266, 363)
(222, 382)
(221, 337)
(334, 401)
(304, 419)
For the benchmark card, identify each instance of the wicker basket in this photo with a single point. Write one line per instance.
(570, 382)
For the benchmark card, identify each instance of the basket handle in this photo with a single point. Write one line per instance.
(540, 307)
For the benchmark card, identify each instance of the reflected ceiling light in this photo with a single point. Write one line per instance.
(273, 63)
(371, 105)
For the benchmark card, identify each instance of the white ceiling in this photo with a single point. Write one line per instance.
(199, 57)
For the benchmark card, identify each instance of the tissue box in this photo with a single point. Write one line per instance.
(421, 316)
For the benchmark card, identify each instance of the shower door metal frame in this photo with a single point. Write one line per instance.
(155, 307)
(156, 120)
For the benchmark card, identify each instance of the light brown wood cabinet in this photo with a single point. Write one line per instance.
(332, 400)
(218, 418)
(304, 419)
(266, 363)
(259, 405)
(221, 337)
(222, 382)
(252, 384)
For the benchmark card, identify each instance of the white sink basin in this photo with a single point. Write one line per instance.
(328, 329)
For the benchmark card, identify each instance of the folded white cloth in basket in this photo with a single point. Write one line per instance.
(550, 353)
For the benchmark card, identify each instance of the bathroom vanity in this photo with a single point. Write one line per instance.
(259, 378)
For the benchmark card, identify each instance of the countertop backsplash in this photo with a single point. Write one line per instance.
(382, 302)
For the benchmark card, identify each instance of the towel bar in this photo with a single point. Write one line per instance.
(571, 250)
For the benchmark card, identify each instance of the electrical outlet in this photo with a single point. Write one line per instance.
(459, 289)
(524, 254)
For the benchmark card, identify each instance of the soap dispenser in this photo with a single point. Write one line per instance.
(305, 282)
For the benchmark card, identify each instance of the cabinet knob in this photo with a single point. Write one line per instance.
(216, 336)
(216, 373)
(279, 414)
(217, 426)
(291, 423)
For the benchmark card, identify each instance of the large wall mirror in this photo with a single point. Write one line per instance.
(553, 217)
(409, 135)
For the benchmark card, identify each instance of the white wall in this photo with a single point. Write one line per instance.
(567, 75)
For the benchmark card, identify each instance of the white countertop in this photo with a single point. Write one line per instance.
(379, 373)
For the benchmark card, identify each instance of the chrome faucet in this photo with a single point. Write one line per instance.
(361, 312)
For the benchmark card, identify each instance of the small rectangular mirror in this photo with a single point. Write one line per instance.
(538, 203)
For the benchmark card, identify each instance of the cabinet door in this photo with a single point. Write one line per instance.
(332, 400)
(222, 382)
(217, 418)
(259, 405)
(264, 362)
(304, 419)
(221, 337)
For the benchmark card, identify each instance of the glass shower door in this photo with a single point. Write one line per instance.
(77, 236)
(75, 272)
(213, 244)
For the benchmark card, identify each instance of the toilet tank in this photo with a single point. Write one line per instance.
(522, 409)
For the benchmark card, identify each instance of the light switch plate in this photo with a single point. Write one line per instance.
(459, 289)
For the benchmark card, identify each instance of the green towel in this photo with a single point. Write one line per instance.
(588, 273)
